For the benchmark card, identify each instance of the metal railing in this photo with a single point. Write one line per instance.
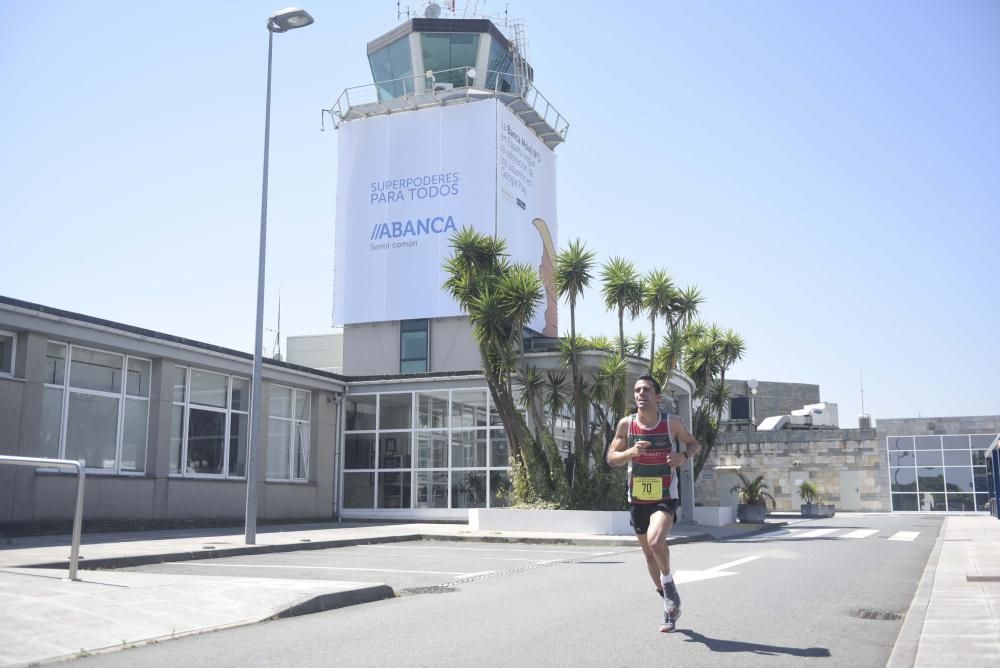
(418, 90)
(37, 462)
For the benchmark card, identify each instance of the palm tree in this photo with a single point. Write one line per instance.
(521, 292)
(622, 290)
(730, 349)
(636, 345)
(657, 297)
(710, 353)
(555, 397)
(499, 299)
(574, 267)
(685, 307)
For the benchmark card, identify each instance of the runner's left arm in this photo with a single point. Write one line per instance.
(689, 444)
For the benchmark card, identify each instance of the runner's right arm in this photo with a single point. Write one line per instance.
(619, 453)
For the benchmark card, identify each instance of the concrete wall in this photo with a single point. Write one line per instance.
(786, 456)
(321, 351)
(775, 398)
(372, 349)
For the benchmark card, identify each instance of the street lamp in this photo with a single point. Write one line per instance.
(752, 384)
(281, 21)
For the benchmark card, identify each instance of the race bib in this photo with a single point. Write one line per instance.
(647, 488)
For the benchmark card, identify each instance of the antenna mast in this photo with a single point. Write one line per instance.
(862, 391)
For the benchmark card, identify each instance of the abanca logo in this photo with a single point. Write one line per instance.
(412, 228)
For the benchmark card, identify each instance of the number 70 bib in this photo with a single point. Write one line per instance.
(647, 488)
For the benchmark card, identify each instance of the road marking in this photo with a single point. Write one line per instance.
(723, 567)
(814, 533)
(324, 568)
(905, 535)
(860, 533)
(480, 549)
(713, 572)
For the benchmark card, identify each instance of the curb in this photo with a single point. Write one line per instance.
(107, 563)
(147, 559)
(904, 650)
(340, 599)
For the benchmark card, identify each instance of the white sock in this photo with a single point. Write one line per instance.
(666, 579)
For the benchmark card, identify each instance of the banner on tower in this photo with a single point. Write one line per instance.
(408, 181)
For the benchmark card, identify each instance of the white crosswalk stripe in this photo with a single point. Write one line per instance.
(904, 535)
(815, 533)
(859, 533)
(796, 534)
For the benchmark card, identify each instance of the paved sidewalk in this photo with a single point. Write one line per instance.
(954, 618)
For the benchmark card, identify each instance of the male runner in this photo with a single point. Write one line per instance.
(650, 443)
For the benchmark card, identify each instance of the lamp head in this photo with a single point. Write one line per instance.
(289, 18)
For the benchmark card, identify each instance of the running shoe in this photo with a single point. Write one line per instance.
(670, 620)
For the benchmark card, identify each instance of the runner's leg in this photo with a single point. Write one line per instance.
(651, 565)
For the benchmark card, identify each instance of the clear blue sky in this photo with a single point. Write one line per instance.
(827, 172)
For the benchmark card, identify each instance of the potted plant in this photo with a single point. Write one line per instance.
(753, 498)
(813, 505)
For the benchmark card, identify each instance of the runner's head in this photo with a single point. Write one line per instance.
(646, 390)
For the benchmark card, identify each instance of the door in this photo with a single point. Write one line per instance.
(850, 490)
(728, 480)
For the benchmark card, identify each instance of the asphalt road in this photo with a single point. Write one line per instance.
(825, 592)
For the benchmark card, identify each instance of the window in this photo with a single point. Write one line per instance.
(434, 449)
(392, 69)
(6, 354)
(500, 68)
(209, 424)
(449, 55)
(413, 346)
(95, 407)
(288, 433)
(739, 408)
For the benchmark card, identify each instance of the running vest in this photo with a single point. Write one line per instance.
(650, 478)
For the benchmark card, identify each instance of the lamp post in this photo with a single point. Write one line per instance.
(281, 21)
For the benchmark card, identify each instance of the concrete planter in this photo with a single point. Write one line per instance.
(817, 509)
(714, 516)
(751, 513)
(603, 522)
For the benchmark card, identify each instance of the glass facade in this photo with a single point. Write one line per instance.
(434, 449)
(939, 473)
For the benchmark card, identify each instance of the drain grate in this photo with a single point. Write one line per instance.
(982, 578)
(434, 589)
(880, 615)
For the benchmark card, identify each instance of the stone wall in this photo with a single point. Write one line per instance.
(827, 457)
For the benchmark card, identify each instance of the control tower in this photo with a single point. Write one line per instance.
(452, 133)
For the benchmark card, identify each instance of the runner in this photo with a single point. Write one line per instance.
(650, 443)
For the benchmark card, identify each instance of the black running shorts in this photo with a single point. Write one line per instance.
(642, 512)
